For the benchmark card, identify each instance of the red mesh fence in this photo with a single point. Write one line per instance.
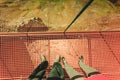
(20, 52)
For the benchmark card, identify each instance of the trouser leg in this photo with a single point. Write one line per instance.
(57, 70)
(39, 72)
(87, 69)
(72, 73)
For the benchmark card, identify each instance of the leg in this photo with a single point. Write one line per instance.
(87, 69)
(57, 72)
(39, 72)
(73, 75)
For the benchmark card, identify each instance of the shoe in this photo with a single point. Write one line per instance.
(63, 60)
(81, 58)
(43, 58)
(58, 58)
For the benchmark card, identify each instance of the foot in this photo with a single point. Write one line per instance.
(58, 58)
(81, 58)
(43, 58)
(63, 60)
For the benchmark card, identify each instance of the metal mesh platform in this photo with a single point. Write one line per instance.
(20, 52)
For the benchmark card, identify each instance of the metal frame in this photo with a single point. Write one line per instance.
(55, 35)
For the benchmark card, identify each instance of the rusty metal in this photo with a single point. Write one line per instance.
(56, 35)
(20, 51)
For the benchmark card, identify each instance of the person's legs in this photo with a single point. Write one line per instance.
(87, 69)
(57, 72)
(73, 74)
(39, 72)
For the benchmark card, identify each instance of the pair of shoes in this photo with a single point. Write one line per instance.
(43, 58)
(64, 61)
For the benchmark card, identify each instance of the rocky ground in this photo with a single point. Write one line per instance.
(16, 15)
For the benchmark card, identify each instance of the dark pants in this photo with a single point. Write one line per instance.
(39, 72)
(57, 72)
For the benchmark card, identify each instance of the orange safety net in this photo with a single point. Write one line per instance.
(20, 52)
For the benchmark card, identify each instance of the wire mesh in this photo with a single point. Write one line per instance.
(20, 52)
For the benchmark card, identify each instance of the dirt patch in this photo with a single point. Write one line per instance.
(33, 25)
